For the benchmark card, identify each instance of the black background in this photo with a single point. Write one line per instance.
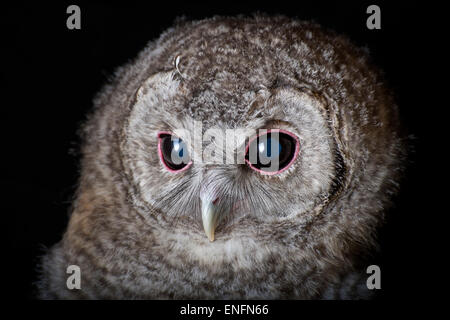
(51, 74)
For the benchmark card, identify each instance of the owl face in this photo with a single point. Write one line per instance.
(197, 165)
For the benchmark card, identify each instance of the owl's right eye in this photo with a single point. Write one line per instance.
(272, 152)
(173, 152)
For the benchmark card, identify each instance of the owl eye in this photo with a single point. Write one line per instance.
(272, 152)
(173, 152)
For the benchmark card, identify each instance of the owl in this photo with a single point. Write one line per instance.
(234, 158)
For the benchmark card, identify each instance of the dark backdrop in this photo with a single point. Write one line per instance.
(51, 74)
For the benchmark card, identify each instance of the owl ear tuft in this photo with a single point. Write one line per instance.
(177, 67)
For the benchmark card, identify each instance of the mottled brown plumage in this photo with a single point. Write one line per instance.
(136, 229)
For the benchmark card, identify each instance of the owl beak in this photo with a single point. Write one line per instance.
(209, 218)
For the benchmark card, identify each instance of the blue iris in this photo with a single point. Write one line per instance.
(178, 146)
(268, 147)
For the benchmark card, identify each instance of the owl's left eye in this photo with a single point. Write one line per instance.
(173, 152)
(272, 152)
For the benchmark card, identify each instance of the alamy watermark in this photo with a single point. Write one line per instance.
(74, 19)
(374, 280)
(374, 20)
(74, 280)
(268, 151)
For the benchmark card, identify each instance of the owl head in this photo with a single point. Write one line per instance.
(240, 133)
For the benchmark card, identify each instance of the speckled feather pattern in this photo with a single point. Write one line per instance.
(135, 230)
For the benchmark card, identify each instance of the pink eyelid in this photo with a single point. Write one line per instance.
(160, 133)
(297, 149)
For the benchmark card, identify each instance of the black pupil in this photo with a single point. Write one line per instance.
(271, 152)
(174, 152)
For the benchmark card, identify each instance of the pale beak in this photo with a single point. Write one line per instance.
(209, 218)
